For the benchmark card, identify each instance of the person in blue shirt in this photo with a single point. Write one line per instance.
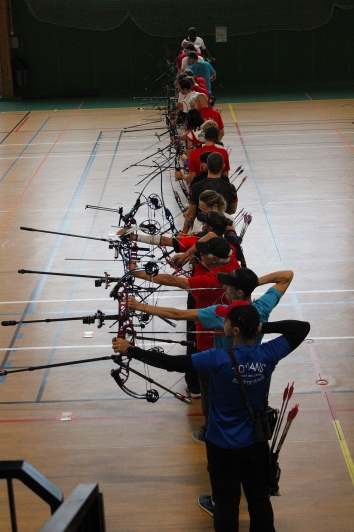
(235, 458)
(202, 69)
(238, 285)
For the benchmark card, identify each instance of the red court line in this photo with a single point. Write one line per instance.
(153, 416)
(329, 121)
(19, 127)
(98, 418)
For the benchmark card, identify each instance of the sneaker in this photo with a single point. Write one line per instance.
(199, 436)
(206, 503)
(194, 394)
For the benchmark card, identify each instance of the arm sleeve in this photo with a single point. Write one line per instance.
(180, 363)
(293, 331)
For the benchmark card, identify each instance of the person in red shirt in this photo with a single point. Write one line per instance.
(199, 80)
(208, 113)
(216, 256)
(211, 138)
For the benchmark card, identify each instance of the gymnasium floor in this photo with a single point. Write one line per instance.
(56, 157)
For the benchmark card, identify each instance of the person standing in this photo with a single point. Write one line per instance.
(202, 69)
(197, 41)
(235, 456)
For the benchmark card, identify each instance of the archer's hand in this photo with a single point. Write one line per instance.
(180, 259)
(133, 304)
(120, 345)
(178, 175)
(132, 266)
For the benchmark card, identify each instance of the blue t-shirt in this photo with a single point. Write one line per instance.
(204, 70)
(230, 422)
(263, 304)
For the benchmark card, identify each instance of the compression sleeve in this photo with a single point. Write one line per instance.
(293, 331)
(180, 363)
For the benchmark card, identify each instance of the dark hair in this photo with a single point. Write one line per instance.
(185, 84)
(203, 157)
(191, 80)
(193, 55)
(194, 119)
(189, 72)
(215, 163)
(246, 318)
(191, 47)
(217, 221)
(181, 76)
(212, 133)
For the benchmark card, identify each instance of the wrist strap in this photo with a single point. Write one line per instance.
(241, 383)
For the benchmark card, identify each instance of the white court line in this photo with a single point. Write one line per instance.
(249, 135)
(161, 297)
(91, 142)
(14, 348)
(109, 154)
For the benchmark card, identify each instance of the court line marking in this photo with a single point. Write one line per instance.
(164, 297)
(18, 123)
(122, 417)
(345, 449)
(329, 121)
(11, 211)
(326, 391)
(100, 346)
(280, 133)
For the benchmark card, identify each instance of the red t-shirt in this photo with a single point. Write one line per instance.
(204, 278)
(194, 162)
(186, 242)
(198, 88)
(200, 81)
(211, 114)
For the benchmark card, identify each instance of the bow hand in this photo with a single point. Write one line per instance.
(120, 345)
(133, 304)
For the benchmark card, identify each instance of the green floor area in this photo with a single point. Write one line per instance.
(223, 94)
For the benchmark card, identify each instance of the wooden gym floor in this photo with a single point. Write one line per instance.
(298, 156)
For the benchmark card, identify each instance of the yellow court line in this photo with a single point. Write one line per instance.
(232, 113)
(345, 450)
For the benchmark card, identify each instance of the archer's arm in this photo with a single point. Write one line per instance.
(182, 258)
(282, 280)
(163, 278)
(293, 331)
(180, 363)
(189, 217)
(163, 312)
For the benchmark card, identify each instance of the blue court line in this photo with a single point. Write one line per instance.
(24, 149)
(3, 378)
(35, 294)
(75, 281)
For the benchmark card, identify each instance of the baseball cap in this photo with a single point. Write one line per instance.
(242, 278)
(217, 246)
(224, 310)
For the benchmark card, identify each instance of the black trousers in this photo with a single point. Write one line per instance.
(228, 469)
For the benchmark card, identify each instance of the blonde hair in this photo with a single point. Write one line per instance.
(211, 198)
(209, 123)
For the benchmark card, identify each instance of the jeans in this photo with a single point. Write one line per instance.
(228, 469)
